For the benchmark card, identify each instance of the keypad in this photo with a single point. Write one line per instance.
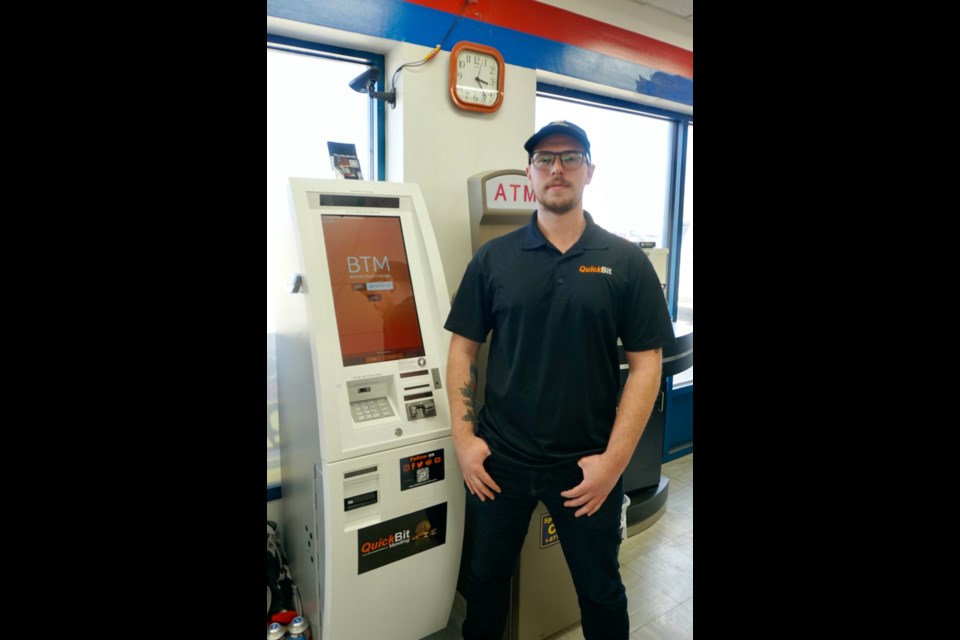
(371, 409)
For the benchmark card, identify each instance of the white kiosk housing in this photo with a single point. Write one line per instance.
(373, 495)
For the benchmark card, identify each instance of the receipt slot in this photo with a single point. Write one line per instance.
(373, 497)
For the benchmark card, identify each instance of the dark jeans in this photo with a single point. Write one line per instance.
(495, 533)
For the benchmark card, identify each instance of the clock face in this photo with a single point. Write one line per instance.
(478, 78)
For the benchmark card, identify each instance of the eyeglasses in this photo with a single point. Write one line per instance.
(569, 159)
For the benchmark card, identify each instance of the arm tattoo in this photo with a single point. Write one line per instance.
(469, 393)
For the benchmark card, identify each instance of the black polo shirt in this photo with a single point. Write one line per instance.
(552, 371)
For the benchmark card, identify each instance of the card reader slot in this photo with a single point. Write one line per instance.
(417, 386)
(417, 396)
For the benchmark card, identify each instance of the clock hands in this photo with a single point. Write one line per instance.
(481, 83)
(483, 89)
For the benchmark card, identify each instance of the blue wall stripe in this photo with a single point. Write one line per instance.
(397, 20)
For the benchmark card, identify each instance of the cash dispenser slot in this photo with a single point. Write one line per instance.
(359, 501)
(361, 497)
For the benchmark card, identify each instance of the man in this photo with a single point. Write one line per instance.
(556, 294)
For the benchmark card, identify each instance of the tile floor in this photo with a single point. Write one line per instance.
(657, 569)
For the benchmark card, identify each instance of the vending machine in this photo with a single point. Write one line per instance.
(373, 497)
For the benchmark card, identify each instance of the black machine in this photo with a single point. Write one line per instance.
(642, 481)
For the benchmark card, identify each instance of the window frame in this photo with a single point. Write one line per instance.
(378, 114)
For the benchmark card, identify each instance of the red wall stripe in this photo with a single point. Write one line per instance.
(560, 25)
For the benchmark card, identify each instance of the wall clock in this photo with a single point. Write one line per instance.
(476, 77)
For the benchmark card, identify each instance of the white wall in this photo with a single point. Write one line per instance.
(432, 143)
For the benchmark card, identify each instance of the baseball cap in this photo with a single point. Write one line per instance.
(559, 126)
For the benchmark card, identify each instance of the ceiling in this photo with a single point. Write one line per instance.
(682, 8)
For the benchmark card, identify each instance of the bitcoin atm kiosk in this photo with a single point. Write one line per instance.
(373, 496)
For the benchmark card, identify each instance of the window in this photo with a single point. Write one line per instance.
(309, 103)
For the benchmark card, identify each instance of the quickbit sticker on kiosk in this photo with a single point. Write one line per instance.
(381, 544)
(421, 469)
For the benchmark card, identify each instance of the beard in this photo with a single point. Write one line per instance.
(558, 203)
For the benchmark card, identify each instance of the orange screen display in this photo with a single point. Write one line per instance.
(372, 293)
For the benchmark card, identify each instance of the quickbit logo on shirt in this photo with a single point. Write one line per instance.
(596, 269)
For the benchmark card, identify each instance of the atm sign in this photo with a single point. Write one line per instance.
(510, 192)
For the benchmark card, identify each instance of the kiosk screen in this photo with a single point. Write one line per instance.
(372, 294)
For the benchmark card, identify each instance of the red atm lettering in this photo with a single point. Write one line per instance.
(501, 194)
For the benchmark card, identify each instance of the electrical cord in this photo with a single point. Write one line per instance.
(433, 52)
